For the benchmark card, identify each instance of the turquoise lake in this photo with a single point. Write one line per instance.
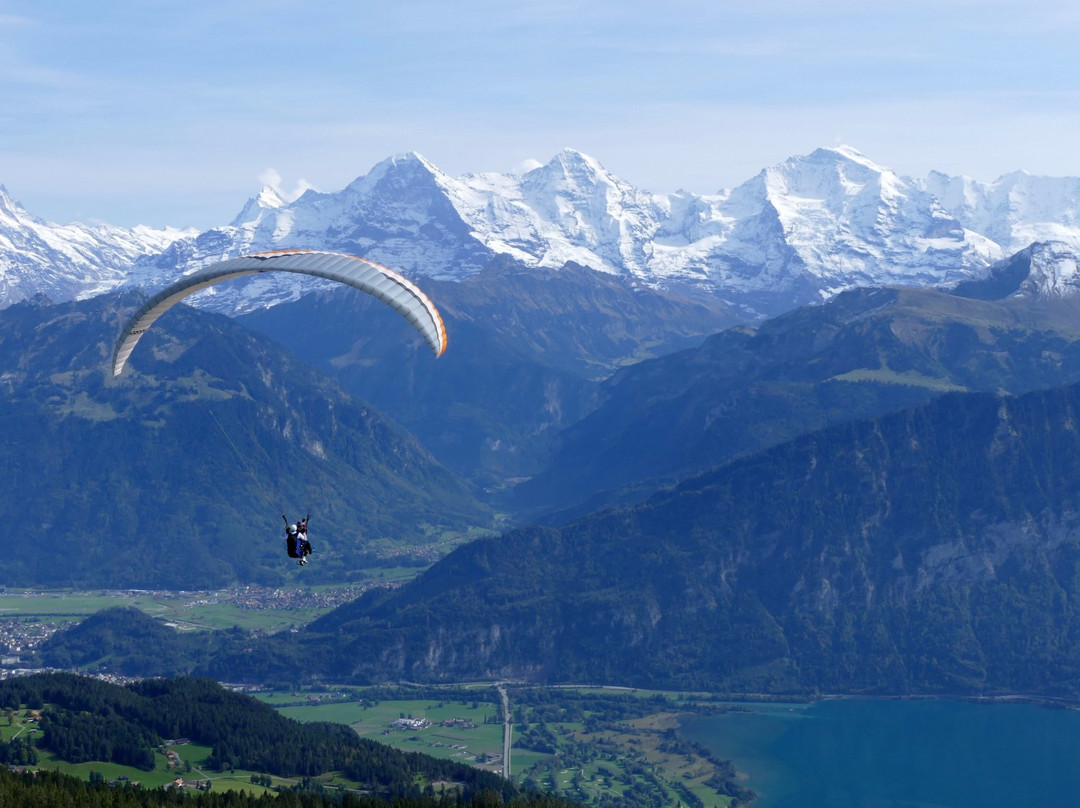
(882, 753)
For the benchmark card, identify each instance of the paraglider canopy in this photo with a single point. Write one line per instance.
(385, 284)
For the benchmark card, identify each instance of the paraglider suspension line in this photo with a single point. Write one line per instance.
(243, 461)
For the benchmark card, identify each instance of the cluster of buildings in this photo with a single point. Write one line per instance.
(262, 597)
(20, 637)
(198, 785)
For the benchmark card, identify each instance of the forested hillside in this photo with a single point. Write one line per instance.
(131, 642)
(89, 720)
(527, 349)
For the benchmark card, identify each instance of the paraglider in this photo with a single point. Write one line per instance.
(385, 284)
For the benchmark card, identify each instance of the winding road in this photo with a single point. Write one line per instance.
(508, 725)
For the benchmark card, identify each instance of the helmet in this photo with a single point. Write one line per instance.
(292, 528)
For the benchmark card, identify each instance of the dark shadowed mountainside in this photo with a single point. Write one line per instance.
(527, 348)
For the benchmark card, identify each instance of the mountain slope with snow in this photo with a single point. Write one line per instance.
(1015, 210)
(66, 262)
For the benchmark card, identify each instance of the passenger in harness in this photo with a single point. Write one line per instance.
(303, 545)
(296, 541)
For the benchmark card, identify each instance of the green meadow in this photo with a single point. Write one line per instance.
(470, 735)
(190, 611)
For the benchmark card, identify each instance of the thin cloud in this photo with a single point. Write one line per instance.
(271, 178)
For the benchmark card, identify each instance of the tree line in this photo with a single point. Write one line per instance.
(51, 789)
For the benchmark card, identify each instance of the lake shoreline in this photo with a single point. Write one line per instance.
(840, 751)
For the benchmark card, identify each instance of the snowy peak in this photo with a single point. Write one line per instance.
(403, 193)
(9, 208)
(12, 214)
(826, 173)
(834, 219)
(1046, 271)
(573, 182)
(400, 214)
(574, 209)
(1053, 273)
(840, 179)
(397, 173)
(571, 173)
(267, 199)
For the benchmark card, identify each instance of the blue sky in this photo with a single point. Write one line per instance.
(175, 113)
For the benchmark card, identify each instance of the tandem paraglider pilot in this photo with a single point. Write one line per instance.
(296, 539)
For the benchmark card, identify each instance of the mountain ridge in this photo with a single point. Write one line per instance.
(65, 262)
(796, 233)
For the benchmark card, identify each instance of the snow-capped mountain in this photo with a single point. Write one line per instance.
(65, 262)
(833, 220)
(795, 233)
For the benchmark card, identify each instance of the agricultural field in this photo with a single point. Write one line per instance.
(613, 748)
(466, 730)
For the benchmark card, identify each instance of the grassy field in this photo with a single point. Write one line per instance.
(260, 610)
(468, 738)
